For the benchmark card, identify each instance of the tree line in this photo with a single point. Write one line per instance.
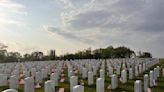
(100, 53)
(105, 53)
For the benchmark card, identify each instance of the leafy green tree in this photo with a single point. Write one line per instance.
(145, 55)
(13, 57)
(37, 56)
(3, 54)
(122, 52)
(97, 54)
(26, 57)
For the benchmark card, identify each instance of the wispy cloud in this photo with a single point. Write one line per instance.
(131, 15)
(11, 6)
(9, 12)
(3, 46)
(67, 35)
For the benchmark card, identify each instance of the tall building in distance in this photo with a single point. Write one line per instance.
(51, 54)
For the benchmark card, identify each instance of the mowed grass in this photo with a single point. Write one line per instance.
(128, 87)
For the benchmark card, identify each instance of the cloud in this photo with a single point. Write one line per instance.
(119, 15)
(3, 46)
(131, 15)
(11, 6)
(67, 34)
(9, 13)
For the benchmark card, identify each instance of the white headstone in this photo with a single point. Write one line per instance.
(155, 73)
(33, 72)
(29, 85)
(100, 85)
(26, 73)
(137, 86)
(15, 72)
(123, 66)
(44, 73)
(136, 71)
(90, 78)
(94, 70)
(102, 74)
(146, 82)
(143, 67)
(151, 78)
(158, 71)
(118, 70)
(78, 88)
(13, 82)
(84, 73)
(73, 82)
(38, 77)
(130, 73)
(140, 68)
(110, 70)
(71, 73)
(54, 78)
(48, 86)
(124, 76)
(114, 81)
(3, 80)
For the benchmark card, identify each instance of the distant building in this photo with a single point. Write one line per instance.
(51, 54)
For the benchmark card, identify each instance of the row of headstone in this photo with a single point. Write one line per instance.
(134, 69)
(34, 73)
(149, 80)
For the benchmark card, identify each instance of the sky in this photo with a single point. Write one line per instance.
(72, 25)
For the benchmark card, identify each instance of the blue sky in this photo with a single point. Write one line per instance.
(71, 25)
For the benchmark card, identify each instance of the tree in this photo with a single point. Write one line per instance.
(100, 53)
(88, 54)
(37, 56)
(3, 52)
(27, 57)
(97, 54)
(145, 55)
(13, 57)
(108, 52)
(122, 52)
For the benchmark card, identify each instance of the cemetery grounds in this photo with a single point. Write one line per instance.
(127, 87)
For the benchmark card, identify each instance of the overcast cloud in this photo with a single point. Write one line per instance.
(136, 23)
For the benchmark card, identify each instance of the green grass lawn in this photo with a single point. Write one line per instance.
(128, 87)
